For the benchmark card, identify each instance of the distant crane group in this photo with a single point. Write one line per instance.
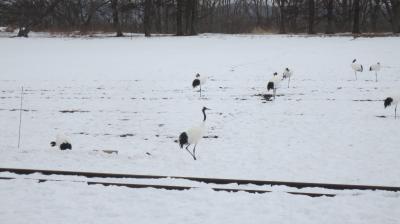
(62, 141)
(274, 83)
(193, 135)
(389, 101)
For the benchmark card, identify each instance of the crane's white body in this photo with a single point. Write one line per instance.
(62, 138)
(196, 133)
(396, 99)
(356, 67)
(376, 68)
(203, 80)
(277, 78)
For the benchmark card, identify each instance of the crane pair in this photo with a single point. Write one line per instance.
(276, 79)
(359, 68)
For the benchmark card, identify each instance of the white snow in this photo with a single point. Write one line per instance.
(79, 203)
(324, 128)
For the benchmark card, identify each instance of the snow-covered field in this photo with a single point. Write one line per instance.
(134, 95)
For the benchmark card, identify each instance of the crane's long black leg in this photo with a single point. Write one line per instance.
(194, 152)
(188, 150)
(376, 76)
(200, 90)
(288, 82)
(355, 73)
(274, 93)
(395, 112)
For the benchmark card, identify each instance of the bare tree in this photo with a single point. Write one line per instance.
(396, 16)
(29, 14)
(179, 25)
(375, 8)
(116, 23)
(356, 18)
(91, 8)
(393, 10)
(147, 17)
(311, 14)
(188, 17)
(191, 17)
(282, 20)
(329, 16)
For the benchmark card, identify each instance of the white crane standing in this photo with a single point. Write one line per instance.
(356, 67)
(375, 67)
(287, 74)
(193, 135)
(199, 81)
(273, 83)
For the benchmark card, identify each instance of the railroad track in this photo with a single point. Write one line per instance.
(297, 185)
(170, 187)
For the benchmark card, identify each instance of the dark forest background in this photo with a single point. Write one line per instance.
(190, 17)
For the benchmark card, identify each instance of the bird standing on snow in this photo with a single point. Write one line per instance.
(356, 67)
(287, 74)
(392, 101)
(376, 67)
(199, 81)
(193, 135)
(62, 142)
(273, 83)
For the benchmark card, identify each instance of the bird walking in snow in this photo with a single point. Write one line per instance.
(375, 67)
(193, 135)
(356, 67)
(62, 142)
(273, 83)
(199, 81)
(392, 101)
(287, 74)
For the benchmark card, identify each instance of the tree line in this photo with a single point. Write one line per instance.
(189, 17)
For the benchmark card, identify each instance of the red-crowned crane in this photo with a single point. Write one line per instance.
(193, 135)
(287, 74)
(273, 83)
(375, 67)
(356, 67)
(199, 81)
(392, 101)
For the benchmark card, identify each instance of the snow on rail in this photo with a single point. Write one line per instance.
(297, 185)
